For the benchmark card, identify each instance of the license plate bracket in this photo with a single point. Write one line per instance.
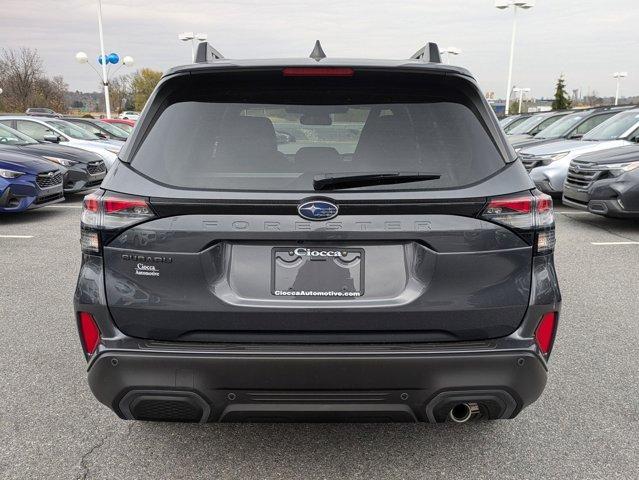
(317, 273)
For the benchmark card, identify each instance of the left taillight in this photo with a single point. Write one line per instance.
(89, 332)
(529, 213)
(110, 212)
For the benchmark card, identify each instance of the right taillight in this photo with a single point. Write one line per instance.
(545, 332)
(529, 214)
(110, 212)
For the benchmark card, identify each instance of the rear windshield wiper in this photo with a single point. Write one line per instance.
(329, 181)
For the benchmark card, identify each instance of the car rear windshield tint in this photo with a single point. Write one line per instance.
(279, 137)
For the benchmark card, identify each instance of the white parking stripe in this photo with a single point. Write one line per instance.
(614, 243)
(16, 236)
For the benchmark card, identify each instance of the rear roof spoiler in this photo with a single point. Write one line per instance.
(428, 53)
(206, 53)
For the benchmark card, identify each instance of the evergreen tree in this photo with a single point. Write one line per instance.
(561, 101)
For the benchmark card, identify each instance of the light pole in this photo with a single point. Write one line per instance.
(191, 37)
(516, 4)
(450, 51)
(104, 60)
(105, 81)
(521, 92)
(618, 76)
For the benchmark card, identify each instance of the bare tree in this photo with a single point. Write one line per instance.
(24, 84)
(121, 92)
(20, 71)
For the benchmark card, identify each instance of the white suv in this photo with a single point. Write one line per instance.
(548, 164)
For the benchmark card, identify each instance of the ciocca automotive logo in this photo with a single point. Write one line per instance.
(307, 252)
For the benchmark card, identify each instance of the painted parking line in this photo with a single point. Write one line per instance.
(16, 236)
(614, 243)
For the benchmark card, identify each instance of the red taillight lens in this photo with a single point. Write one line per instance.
(110, 211)
(89, 332)
(545, 333)
(526, 213)
(318, 72)
(91, 203)
(515, 211)
(115, 204)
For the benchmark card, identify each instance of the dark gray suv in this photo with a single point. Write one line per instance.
(317, 240)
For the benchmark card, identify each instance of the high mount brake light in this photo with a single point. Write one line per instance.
(545, 333)
(318, 72)
(110, 212)
(525, 213)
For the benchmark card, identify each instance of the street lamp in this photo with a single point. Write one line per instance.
(104, 60)
(502, 5)
(618, 76)
(450, 51)
(191, 37)
(521, 92)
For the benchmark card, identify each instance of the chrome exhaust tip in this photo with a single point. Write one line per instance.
(462, 412)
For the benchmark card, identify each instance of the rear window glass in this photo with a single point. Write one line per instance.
(210, 143)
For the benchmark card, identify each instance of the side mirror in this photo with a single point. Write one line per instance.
(51, 138)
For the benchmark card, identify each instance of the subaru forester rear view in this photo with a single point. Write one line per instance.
(317, 240)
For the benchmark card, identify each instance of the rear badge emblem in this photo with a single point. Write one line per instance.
(317, 210)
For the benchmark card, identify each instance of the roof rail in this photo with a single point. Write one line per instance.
(206, 53)
(428, 53)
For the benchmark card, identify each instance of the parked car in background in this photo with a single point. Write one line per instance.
(548, 164)
(59, 131)
(42, 112)
(534, 124)
(99, 129)
(605, 183)
(508, 123)
(27, 182)
(126, 125)
(130, 115)
(83, 169)
(572, 126)
(241, 279)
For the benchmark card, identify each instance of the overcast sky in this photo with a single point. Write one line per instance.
(586, 40)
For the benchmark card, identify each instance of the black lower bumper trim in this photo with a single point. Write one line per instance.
(285, 387)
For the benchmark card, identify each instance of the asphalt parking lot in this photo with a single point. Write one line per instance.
(584, 426)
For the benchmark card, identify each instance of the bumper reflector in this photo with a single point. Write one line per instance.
(545, 333)
(89, 332)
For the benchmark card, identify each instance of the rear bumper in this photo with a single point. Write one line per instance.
(250, 384)
(212, 382)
